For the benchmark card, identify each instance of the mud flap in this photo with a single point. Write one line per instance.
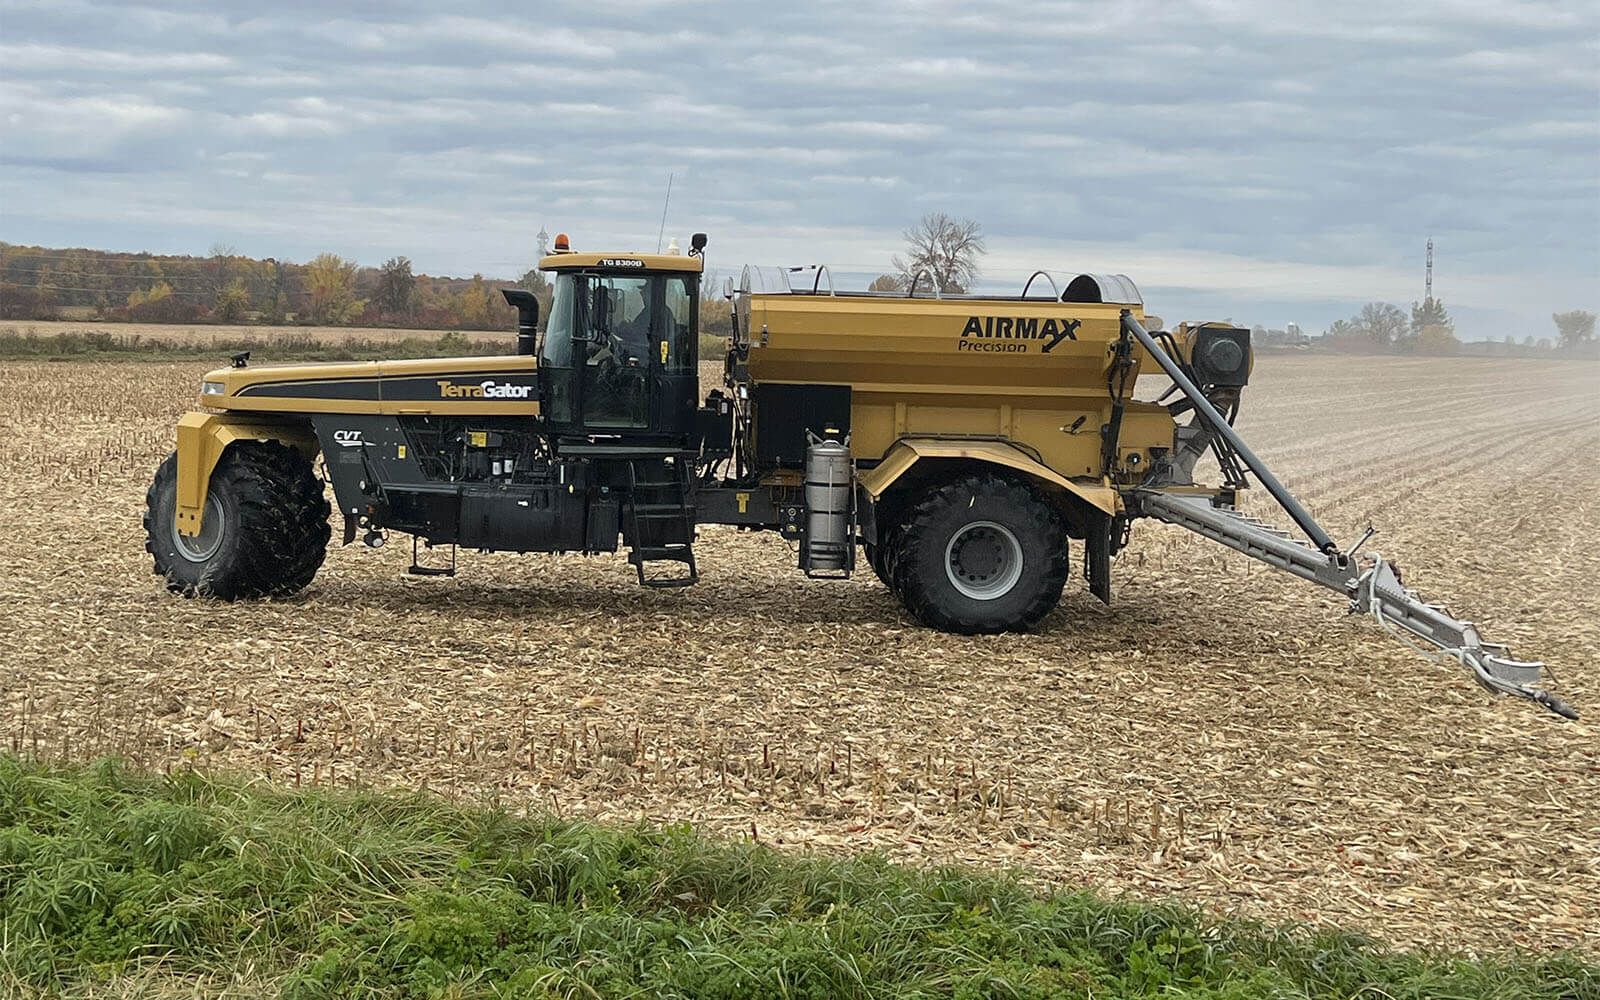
(1097, 556)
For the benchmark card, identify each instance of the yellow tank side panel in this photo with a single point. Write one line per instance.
(954, 346)
(1031, 372)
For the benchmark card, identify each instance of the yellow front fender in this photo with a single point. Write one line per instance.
(908, 451)
(203, 438)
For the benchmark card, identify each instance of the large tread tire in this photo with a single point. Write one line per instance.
(917, 556)
(274, 518)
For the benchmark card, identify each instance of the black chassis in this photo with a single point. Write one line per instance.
(444, 479)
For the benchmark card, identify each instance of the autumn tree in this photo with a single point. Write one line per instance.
(887, 283)
(947, 249)
(474, 305)
(397, 288)
(330, 285)
(155, 293)
(1574, 328)
(233, 302)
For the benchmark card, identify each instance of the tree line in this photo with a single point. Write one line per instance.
(226, 287)
(1383, 327)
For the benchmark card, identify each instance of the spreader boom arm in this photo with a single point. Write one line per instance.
(1375, 590)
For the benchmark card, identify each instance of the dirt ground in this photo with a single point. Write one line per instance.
(1222, 734)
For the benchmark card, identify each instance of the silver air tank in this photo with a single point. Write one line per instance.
(828, 546)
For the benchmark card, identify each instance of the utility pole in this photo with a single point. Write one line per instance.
(544, 243)
(1427, 293)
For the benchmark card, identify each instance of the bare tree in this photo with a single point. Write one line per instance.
(220, 273)
(887, 283)
(946, 248)
(1383, 322)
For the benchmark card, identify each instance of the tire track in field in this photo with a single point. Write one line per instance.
(1466, 454)
(1420, 427)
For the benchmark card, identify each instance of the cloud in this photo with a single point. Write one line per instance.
(1241, 156)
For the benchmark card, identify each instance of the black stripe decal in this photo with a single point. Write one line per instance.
(365, 389)
(408, 388)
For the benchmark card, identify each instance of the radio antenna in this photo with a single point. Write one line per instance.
(664, 205)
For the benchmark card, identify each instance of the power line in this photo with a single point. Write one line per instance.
(11, 267)
(97, 258)
(111, 291)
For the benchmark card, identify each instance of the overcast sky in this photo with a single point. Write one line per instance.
(1264, 161)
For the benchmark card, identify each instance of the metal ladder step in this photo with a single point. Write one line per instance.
(661, 522)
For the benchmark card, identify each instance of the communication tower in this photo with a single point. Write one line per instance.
(1427, 287)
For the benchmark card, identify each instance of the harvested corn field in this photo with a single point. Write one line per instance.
(1221, 734)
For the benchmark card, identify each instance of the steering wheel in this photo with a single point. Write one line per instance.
(621, 351)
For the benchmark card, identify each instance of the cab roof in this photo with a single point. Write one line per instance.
(647, 261)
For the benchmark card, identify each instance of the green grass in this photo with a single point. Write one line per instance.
(90, 345)
(116, 883)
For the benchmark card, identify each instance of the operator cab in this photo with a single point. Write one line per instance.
(619, 355)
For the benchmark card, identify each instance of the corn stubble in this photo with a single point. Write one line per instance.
(1221, 733)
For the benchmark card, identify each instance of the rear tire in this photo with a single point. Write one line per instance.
(980, 555)
(264, 533)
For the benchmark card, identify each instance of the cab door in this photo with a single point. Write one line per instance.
(677, 380)
(617, 350)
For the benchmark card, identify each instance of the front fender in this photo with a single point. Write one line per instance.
(203, 438)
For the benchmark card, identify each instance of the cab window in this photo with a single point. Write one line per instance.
(555, 350)
(679, 326)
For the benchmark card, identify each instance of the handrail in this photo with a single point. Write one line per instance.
(815, 282)
(1055, 293)
(911, 292)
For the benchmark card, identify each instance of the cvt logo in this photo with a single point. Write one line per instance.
(487, 389)
(347, 439)
(1009, 330)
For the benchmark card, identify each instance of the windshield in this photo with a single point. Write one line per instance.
(596, 317)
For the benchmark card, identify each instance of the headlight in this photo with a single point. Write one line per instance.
(212, 388)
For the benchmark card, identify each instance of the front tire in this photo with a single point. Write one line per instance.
(980, 555)
(264, 533)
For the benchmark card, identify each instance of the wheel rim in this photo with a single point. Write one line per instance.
(983, 560)
(199, 548)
